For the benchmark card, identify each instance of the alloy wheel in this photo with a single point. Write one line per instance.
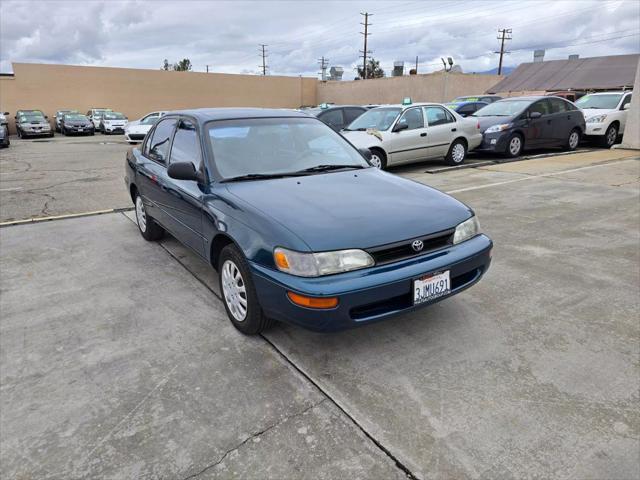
(515, 145)
(612, 135)
(141, 215)
(234, 290)
(376, 161)
(458, 153)
(574, 138)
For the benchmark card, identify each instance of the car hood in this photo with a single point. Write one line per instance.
(35, 123)
(367, 139)
(137, 128)
(79, 123)
(486, 122)
(352, 209)
(592, 112)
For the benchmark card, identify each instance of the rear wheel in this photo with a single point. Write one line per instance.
(148, 227)
(514, 146)
(457, 152)
(572, 140)
(610, 136)
(239, 294)
(378, 159)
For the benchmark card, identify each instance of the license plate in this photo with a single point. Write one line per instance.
(81, 129)
(431, 287)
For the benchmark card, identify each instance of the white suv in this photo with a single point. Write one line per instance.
(406, 133)
(605, 114)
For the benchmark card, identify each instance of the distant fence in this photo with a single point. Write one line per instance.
(431, 87)
(136, 92)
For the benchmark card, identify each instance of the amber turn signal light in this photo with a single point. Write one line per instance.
(313, 302)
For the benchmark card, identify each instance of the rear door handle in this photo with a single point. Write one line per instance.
(423, 134)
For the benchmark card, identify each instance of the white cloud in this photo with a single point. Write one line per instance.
(225, 35)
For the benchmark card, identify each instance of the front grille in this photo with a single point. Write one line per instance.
(401, 250)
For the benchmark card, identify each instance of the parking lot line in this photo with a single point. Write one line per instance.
(14, 189)
(542, 175)
(63, 217)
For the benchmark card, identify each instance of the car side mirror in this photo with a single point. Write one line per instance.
(627, 106)
(400, 126)
(534, 115)
(6, 113)
(183, 171)
(366, 153)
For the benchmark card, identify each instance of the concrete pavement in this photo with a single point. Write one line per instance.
(117, 360)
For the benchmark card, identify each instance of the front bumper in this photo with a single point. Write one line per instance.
(114, 128)
(494, 142)
(370, 294)
(74, 129)
(595, 129)
(36, 133)
(134, 137)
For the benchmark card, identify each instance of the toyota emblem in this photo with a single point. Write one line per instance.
(417, 245)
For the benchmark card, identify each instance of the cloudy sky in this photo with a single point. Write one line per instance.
(225, 34)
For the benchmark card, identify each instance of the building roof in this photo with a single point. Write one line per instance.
(596, 73)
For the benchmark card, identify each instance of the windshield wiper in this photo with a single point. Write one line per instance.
(326, 168)
(258, 176)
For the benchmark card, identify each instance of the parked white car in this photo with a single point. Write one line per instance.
(112, 122)
(135, 131)
(411, 132)
(605, 114)
(95, 115)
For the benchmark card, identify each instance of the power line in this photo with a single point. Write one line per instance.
(505, 34)
(264, 59)
(324, 62)
(365, 52)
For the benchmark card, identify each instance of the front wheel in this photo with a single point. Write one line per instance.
(514, 146)
(239, 294)
(457, 153)
(573, 140)
(148, 227)
(378, 159)
(610, 136)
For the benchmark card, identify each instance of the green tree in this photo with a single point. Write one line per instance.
(183, 65)
(373, 70)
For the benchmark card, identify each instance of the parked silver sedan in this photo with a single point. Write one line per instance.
(412, 132)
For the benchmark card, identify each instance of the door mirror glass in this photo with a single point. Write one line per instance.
(401, 125)
(534, 115)
(182, 171)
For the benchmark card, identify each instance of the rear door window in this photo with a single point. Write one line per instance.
(437, 116)
(160, 141)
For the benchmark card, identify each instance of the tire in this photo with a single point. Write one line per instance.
(19, 133)
(457, 152)
(514, 146)
(148, 227)
(573, 140)
(610, 136)
(378, 159)
(236, 288)
(51, 135)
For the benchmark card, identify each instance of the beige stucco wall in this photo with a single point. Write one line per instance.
(432, 87)
(631, 137)
(135, 92)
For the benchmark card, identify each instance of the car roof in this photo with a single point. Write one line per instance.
(460, 104)
(531, 98)
(610, 92)
(208, 114)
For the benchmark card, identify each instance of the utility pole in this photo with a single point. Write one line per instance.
(207, 68)
(416, 64)
(366, 33)
(504, 34)
(264, 58)
(324, 62)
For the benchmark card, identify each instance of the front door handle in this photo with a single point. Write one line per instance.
(454, 129)
(423, 134)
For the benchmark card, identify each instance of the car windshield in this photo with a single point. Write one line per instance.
(502, 108)
(113, 116)
(31, 117)
(278, 146)
(150, 120)
(608, 101)
(380, 118)
(74, 116)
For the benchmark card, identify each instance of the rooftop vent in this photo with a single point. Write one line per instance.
(335, 73)
(538, 56)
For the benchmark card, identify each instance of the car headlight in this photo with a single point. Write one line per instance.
(498, 128)
(466, 230)
(322, 263)
(597, 118)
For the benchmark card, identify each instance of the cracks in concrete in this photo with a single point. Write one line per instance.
(251, 437)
